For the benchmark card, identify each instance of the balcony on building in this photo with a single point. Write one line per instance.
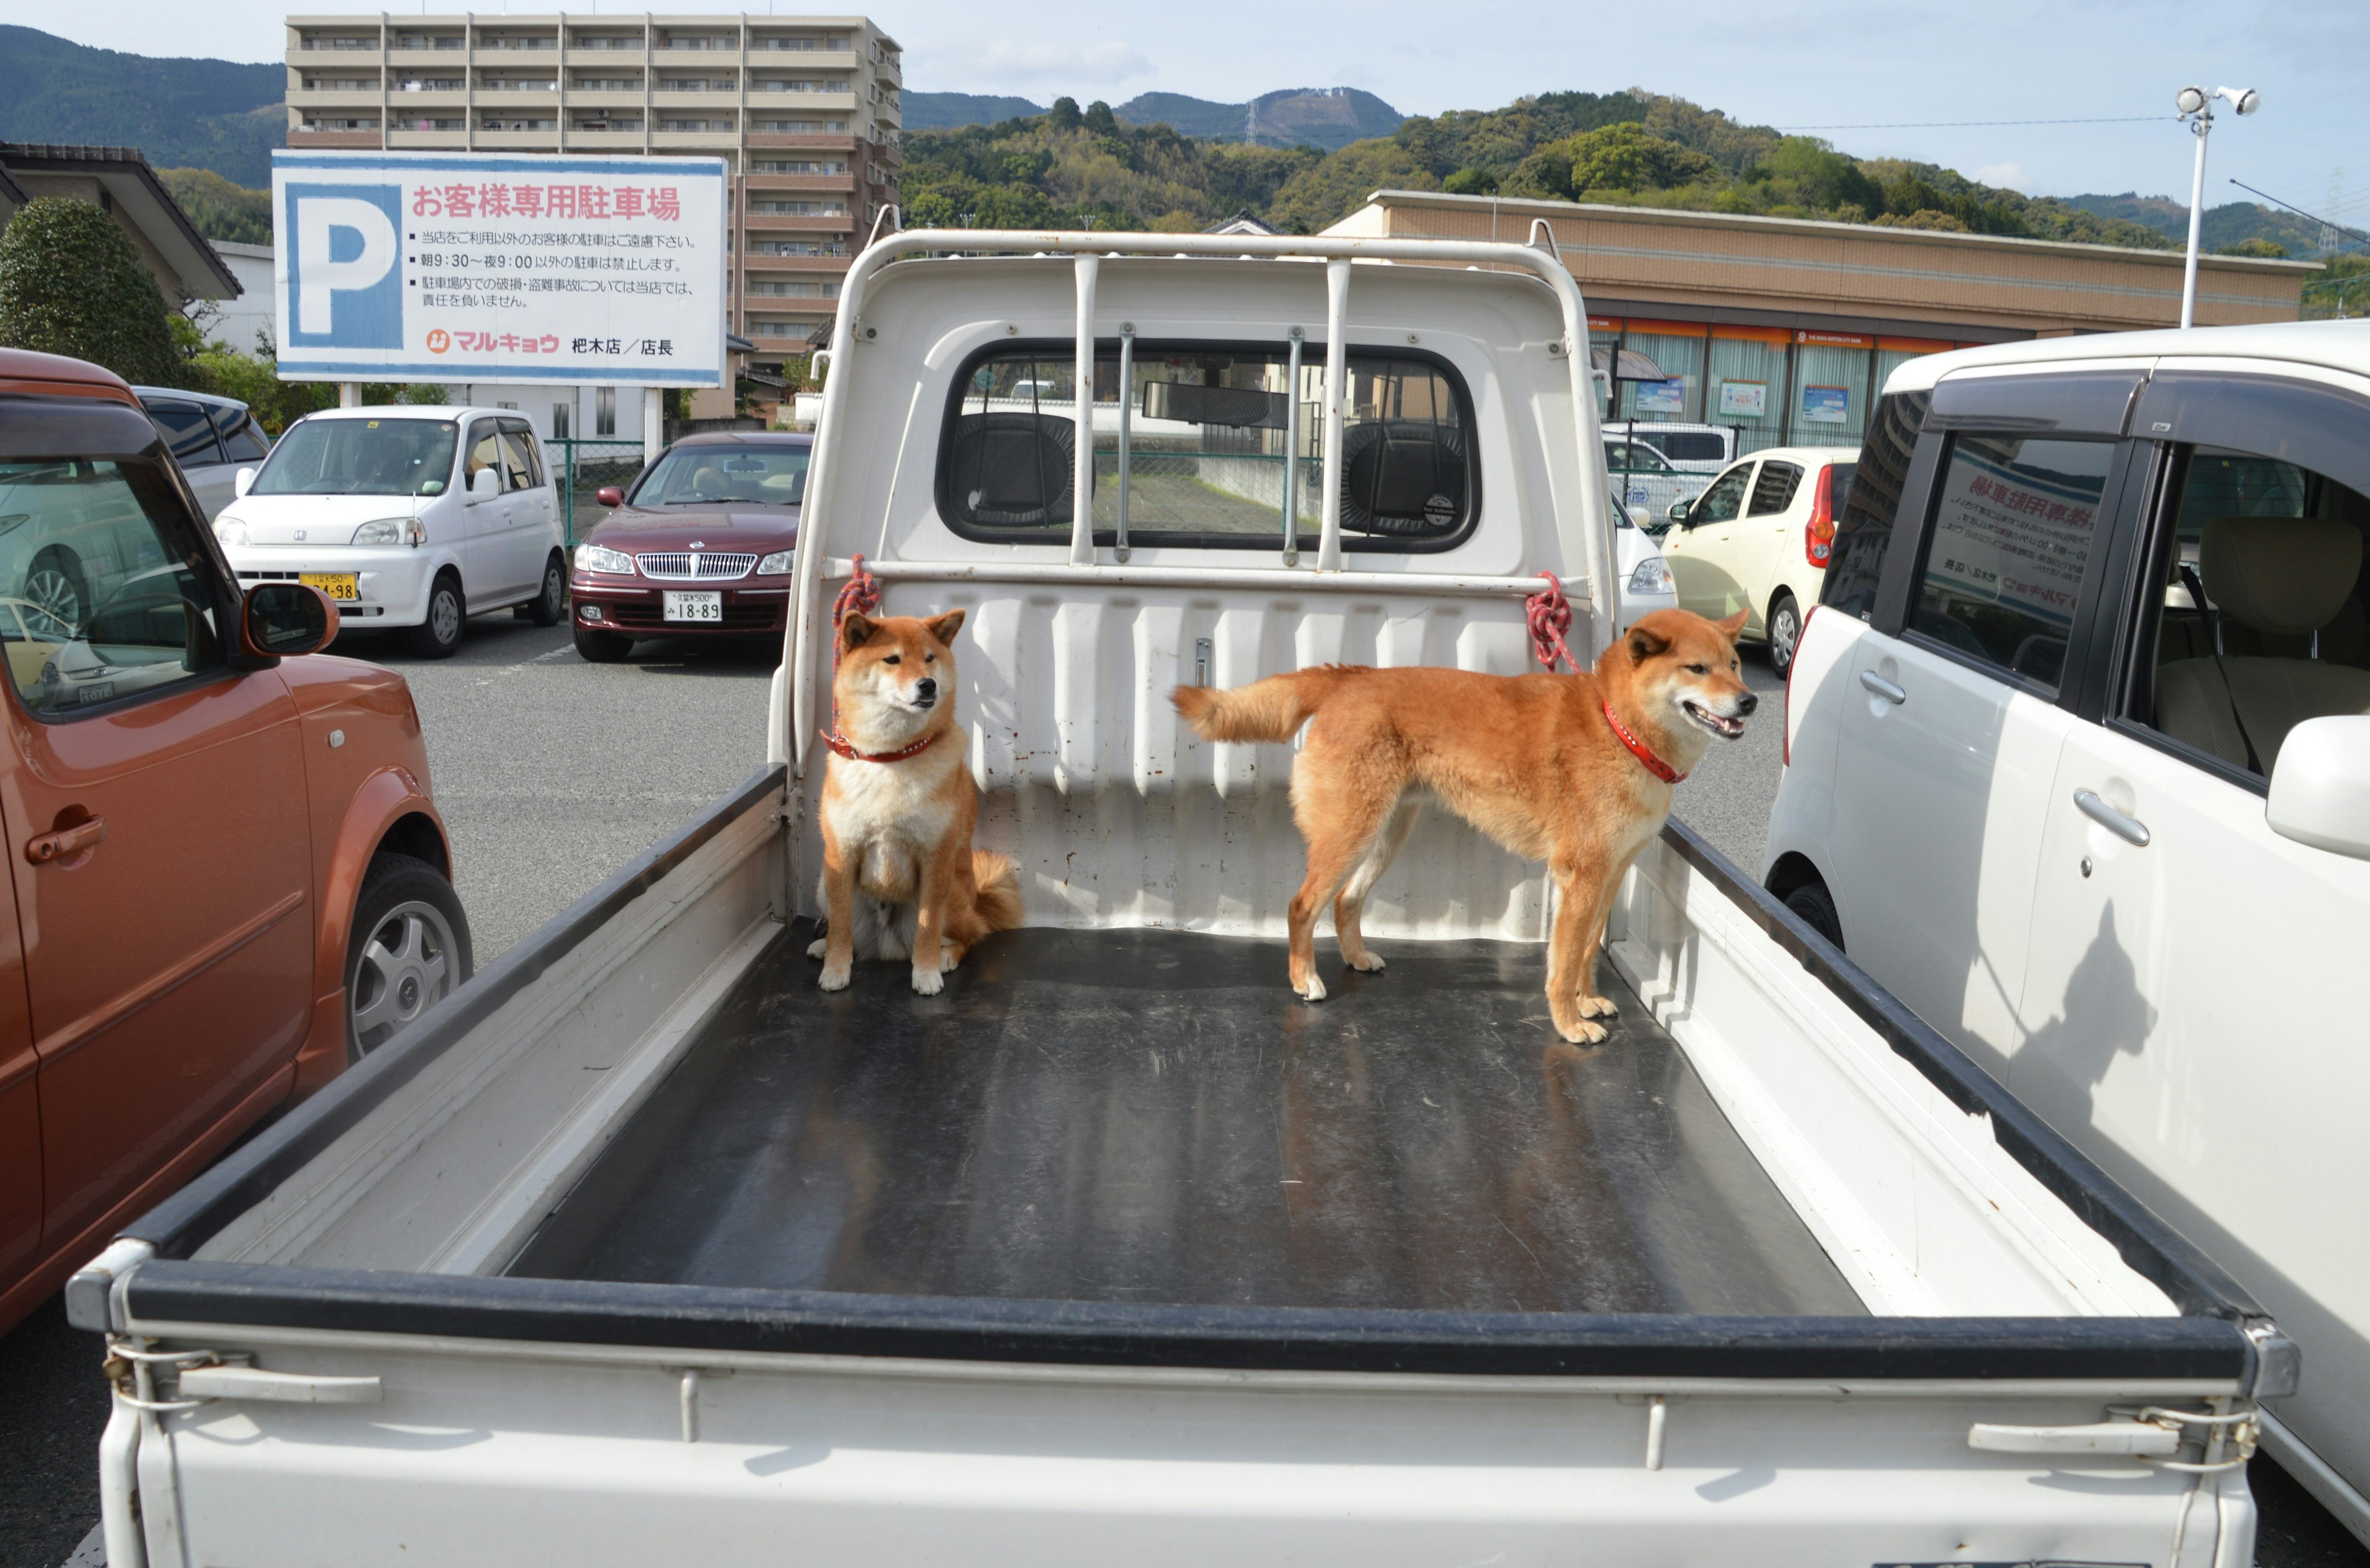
(314, 44)
(672, 40)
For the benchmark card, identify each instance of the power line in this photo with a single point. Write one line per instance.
(1956, 124)
(2356, 236)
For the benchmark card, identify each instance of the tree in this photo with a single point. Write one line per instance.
(1064, 115)
(1318, 196)
(1611, 158)
(71, 283)
(2269, 249)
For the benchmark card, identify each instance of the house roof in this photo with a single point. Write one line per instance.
(125, 174)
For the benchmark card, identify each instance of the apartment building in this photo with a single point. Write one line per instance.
(803, 110)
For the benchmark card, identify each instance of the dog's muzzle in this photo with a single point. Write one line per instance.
(1726, 726)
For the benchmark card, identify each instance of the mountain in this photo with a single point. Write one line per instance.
(2230, 224)
(1324, 118)
(951, 111)
(210, 114)
(1331, 118)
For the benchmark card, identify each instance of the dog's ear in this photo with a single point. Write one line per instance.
(1732, 627)
(1644, 644)
(944, 627)
(855, 631)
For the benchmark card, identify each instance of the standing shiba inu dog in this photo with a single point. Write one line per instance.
(899, 874)
(1575, 770)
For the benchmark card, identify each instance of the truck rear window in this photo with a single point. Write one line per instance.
(1213, 434)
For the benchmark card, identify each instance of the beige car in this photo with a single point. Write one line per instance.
(1757, 540)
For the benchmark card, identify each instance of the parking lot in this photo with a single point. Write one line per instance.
(551, 772)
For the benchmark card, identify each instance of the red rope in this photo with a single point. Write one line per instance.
(862, 595)
(1548, 613)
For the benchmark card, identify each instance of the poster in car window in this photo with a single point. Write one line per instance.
(462, 267)
(2013, 536)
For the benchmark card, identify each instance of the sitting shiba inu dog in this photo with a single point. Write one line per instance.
(1575, 770)
(899, 874)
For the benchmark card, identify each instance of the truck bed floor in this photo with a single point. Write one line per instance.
(1151, 1116)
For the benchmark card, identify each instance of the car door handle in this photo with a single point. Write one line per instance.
(43, 848)
(2129, 829)
(1882, 688)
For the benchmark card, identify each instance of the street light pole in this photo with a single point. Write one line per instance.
(2200, 126)
(2197, 107)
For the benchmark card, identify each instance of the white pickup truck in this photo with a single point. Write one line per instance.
(643, 1249)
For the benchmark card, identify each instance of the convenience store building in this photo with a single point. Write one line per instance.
(1786, 329)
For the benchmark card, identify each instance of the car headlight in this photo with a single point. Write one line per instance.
(391, 530)
(600, 559)
(778, 564)
(230, 532)
(1652, 576)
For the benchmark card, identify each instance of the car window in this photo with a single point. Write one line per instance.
(1871, 499)
(1211, 434)
(517, 460)
(752, 475)
(1690, 446)
(2014, 522)
(187, 433)
(243, 439)
(1773, 491)
(103, 591)
(485, 451)
(520, 433)
(1721, 502)
(1634, 457)
(2255, 623)
(359, 457)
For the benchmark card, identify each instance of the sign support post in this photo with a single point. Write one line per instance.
(350, 394)
(653, 424)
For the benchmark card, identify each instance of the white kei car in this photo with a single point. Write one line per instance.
(2077, 766)
(415, 518)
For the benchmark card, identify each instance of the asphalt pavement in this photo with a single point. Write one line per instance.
(550, 773)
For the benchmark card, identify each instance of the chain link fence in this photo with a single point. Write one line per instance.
(585, 468)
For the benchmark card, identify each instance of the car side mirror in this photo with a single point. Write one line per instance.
(281, 619)
(241, 483)
(1679, 510)
(2320, 785)
(484, 484)
(610, 496)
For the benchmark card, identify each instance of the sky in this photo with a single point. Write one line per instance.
(1873, 78)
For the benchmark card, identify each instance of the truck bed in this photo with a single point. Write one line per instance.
(1150, 1115)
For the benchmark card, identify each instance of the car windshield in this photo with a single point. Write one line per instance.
(746, 476)
(360, 457)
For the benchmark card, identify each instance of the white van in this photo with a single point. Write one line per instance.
(407, 517)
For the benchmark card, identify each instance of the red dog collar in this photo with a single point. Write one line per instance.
(1643, 752)
(839, 743)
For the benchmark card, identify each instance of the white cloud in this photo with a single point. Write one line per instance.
(2010, 175)
(1055, 64)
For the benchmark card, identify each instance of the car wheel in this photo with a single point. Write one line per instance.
(409, 950)
(552, 602)
(1785, 632)
(439, 637)
(1815, 907)
(54, 583)
(602, 647)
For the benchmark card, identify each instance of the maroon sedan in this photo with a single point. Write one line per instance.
(702, 544)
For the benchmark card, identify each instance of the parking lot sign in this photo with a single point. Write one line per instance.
(458, 267)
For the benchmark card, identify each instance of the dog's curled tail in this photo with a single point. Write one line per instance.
(998, 902)
(1264, 710)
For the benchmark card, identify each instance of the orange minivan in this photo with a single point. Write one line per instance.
(228, 879)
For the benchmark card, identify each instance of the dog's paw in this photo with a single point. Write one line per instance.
(950, 958)
(1369, 962)
(1597, 1007)
(1311, 989)
(1581, 1032)
(834, 977)
(928, 982)
(816, 948)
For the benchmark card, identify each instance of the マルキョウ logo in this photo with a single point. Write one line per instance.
(345, 286)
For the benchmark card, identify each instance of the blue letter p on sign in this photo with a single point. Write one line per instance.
(345, 281)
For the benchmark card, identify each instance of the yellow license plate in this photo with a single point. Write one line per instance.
(337, 585)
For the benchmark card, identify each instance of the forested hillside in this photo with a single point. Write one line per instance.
(213, 114)
(1069, 165)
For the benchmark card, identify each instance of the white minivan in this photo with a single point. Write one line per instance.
(2077, 766)
(409, 517)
